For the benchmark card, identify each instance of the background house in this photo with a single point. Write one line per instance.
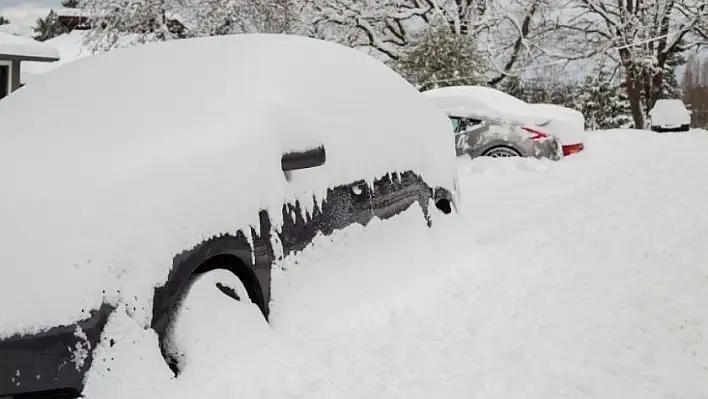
(14, 50)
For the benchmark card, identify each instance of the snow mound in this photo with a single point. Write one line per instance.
(582, 278)
(122, 177)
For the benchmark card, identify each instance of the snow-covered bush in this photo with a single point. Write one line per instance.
(603, 103)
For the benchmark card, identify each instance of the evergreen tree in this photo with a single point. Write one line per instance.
(3, 20)
(49, 26)
(439, 57)
(603, 103)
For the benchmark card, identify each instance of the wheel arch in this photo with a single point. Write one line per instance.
(228, 252)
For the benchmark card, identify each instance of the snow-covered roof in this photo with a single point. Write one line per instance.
(12, 29)
(24, 48)
(77, 12)
(114, 163)
(70, 47)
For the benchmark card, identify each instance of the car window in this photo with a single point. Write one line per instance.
(455, 123)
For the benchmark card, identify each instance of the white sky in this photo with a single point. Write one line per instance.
(24, 13)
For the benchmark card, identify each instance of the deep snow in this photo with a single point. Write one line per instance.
(581, 278)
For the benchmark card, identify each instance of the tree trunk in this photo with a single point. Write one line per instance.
(634, 95)
(657, 83)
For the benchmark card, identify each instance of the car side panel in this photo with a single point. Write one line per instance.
(343, 206)
(394, 193)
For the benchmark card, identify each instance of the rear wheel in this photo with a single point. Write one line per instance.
(501, 152)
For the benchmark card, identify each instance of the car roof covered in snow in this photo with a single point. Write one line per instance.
(668, 105)
(114, 163)
(483, 102)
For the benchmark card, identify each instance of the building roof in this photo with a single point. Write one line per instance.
(25, 49)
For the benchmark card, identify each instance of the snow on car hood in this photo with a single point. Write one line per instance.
(114, 163)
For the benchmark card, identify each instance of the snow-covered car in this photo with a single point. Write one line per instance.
(131, 175)
(565, 124)
(669, 115)
(481, 133)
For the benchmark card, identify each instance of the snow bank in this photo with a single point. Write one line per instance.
(19, 46)
(584, 278)
(150, 154)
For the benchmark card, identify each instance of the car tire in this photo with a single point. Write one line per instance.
(501, 152)
(223, 281)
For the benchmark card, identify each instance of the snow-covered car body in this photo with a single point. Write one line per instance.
(481, 131)
(563, 123)
(669, 115)
(226, 152)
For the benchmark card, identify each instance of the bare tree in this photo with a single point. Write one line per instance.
(644, 38)
(507, 33)
(162, 20)
(695, 90)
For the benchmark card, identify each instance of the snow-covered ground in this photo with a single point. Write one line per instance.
(581, 278)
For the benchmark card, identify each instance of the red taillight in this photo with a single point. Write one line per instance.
(572, 149)
(535, 134)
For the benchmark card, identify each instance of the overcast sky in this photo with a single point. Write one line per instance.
(24, 13)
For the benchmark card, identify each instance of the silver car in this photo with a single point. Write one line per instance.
(496, 138)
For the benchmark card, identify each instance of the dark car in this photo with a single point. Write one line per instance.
(119, 201)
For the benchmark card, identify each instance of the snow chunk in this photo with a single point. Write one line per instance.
(19, 46)
(164, 145)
